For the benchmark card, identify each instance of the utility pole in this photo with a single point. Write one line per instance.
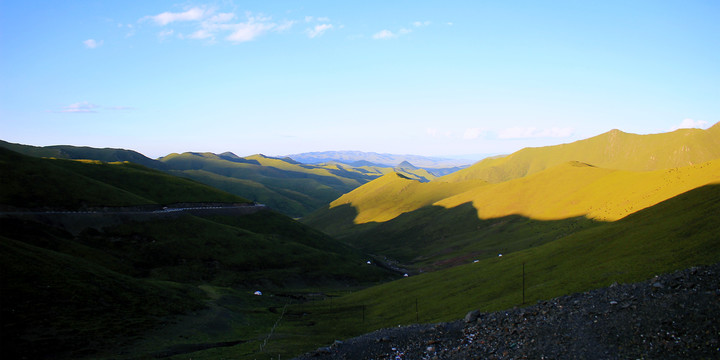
(523, 284)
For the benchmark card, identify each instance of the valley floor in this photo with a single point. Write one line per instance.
(669, 316)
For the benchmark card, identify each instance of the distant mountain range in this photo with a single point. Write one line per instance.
(360, 158)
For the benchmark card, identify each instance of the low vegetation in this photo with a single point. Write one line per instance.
(506, 232)
(90, 283)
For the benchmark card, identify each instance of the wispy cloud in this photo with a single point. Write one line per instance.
(86, 107)
(205, 23)
(473, 133)
(520, 132)
(438, 133)
(248, 31)
(165, 34)
(318, 30)
(384, 34)
(92, 43)
(167, 17)
(690, 123)
(83, 107)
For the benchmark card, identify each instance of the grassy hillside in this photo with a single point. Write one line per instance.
(283, 184)
(393, 212)
(675, 234)
(287, 186)
(83, 153)
(82, 284)
(29, 182)
(393, 194)
(438, 224)
(577, 189)
(56, 305)
(612, 150)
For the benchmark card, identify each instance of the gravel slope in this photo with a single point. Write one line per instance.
(674, 316)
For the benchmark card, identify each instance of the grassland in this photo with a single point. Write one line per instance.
(567, 218)
(285, 185)
(81, 285)
(442, 222)
(612, 150)
(29, 182)
(674, 234)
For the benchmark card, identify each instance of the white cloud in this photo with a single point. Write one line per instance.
(167, 17)
(472, 133)
(520, 132)
(221, 18)
(284, 26)
(85, 107)
(165, 33)
(318, 30)
(248, 31)
(421, 23)
(81, 107)
(690, 123)
(432, 132)
(384, 34)
(92, 43)
(201, 34)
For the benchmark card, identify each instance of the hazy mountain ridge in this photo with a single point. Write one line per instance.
(378, 159)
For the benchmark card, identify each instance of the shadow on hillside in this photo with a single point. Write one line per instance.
(436, 237)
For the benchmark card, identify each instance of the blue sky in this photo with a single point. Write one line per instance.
(407, 77)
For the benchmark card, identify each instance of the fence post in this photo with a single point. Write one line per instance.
(417, 316)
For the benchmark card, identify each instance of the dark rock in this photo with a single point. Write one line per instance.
(472, 316)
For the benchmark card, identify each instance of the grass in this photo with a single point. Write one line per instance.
(632, 249)
(66, 307)
(86, 285)
(431, 225)
(294, 189)
(612, 150)
(30, 182)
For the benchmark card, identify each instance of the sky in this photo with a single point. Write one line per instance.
(434, 78)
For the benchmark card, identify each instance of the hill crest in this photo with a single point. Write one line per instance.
(614, 149)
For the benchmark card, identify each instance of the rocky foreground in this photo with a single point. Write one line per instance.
(674, 316)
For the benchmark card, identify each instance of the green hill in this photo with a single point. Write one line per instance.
(285, 185)
(438, 224)
(84, 153)
(83, 284)
(29, 182)
(612, 150)
(675, 234)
